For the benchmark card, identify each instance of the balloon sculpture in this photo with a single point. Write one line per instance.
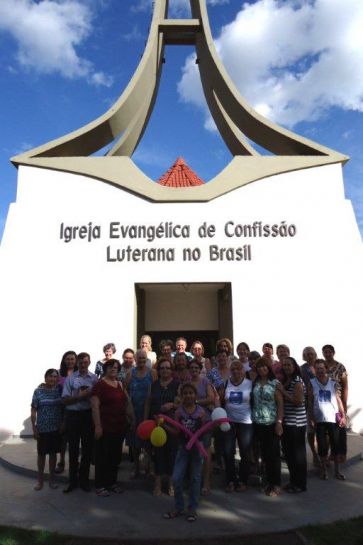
(157, 435)
(219, 417)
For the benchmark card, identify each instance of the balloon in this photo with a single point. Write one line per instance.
(186, 431)
(226, 426)
(194, 438)
(158, 437)
(218, 413)
(206, 427)
(145, 428)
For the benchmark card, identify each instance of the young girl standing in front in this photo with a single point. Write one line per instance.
(192, 416)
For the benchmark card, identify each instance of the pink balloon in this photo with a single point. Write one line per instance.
(185, 430)
(207, 426)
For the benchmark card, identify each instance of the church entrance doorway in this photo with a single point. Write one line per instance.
(196, 311)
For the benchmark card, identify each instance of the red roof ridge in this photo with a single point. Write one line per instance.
(180, 175)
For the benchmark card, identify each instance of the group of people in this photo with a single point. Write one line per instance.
(272, 406)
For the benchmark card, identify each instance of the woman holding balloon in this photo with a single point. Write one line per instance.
(137, 383)
(237, 402)
(161, 399)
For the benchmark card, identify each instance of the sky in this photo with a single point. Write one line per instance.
(298, 62)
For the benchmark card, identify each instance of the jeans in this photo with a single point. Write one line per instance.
(79, 429)
(193, 459)
(293, 442)
(270, 449)
(107, 457)
(243, 433)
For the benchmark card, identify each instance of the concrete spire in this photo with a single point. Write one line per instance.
(125, 122)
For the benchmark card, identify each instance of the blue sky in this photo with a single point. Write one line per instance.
(64, 62)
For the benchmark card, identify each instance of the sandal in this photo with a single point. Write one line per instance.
(102, 492)
(230, 487)
(272, 491)
(53, 486)
(38, 487)
(173, 515)
(339, 476)
(323, 475)
(291, 489)
(298, 490)
(191, 517)
(171, 491)
(117, 489)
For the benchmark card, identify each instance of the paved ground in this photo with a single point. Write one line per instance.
(136, 514)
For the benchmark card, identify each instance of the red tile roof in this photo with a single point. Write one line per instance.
(180, 175)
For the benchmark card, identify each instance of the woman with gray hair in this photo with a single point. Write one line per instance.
(109, 350)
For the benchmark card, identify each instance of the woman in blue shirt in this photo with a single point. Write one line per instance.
(46, 418)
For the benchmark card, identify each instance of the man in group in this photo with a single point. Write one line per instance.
(181, 348)
(76, 394)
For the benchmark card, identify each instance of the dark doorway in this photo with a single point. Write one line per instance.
(196, 311)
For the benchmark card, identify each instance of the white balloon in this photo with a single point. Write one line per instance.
(218, 413)
(225, 426)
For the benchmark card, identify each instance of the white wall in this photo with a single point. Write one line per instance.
(56, 296)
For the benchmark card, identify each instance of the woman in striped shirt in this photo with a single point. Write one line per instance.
(293, 438)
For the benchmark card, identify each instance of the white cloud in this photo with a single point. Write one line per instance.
(47, 34)
(100, 78)
(291, 60)
(177, 7)
(133, 35)
(154, 157)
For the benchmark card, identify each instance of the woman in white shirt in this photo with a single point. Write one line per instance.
(237, 402)
(326, 414)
